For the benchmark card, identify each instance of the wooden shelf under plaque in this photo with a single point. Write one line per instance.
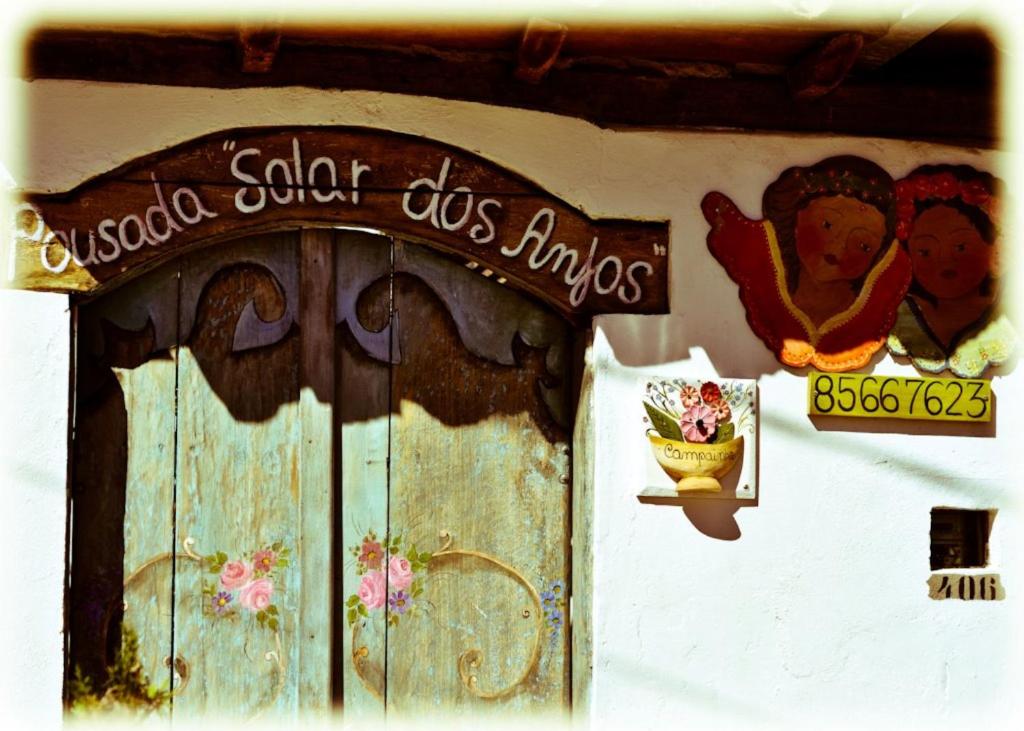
(668, 496)
(662, 496)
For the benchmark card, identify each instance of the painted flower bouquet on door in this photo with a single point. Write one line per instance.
(391, 577)
(245, 584)
(696, 428)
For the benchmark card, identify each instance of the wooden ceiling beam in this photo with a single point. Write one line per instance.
(964, 115)
(538, 50)
(825, 68)
(257, 47)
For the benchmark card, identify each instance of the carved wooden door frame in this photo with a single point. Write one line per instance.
(111, 229)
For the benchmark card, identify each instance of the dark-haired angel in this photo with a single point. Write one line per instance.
(947, 218)
(822, 275)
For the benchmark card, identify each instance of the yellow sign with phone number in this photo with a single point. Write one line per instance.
(897, 397)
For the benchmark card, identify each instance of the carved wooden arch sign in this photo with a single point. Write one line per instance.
(227, 183)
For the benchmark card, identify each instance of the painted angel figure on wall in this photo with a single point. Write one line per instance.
(821, 275)
(948, 221)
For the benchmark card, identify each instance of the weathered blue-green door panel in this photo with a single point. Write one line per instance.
(123, 477)
(363, 264)
(326, 468)
(480, 481)
(238, 487)
(149, 399)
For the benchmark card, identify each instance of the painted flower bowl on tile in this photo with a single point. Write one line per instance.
(695, 467)
(692, 431)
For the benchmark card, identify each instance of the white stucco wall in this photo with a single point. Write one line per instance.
(34, 367)
(815, 609)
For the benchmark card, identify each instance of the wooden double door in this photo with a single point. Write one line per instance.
(323, 469)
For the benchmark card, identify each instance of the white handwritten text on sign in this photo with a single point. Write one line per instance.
(413, 186)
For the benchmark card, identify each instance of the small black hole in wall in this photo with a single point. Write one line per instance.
(960, 538)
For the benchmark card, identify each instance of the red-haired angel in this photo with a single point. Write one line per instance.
(821, 275)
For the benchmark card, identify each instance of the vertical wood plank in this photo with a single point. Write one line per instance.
(583, 535)
(361, 428)
(316, 403)
(149, 512)
(97, 504)
(124, 472)
(239, 488)
(149, 396)
(475, 451)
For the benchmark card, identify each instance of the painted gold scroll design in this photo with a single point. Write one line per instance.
(360, 655)
(471, 659)
(181, 666)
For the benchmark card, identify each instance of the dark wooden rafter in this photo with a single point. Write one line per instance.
(257, 47)
(825, 68)
(542, 42)
(964, 114)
